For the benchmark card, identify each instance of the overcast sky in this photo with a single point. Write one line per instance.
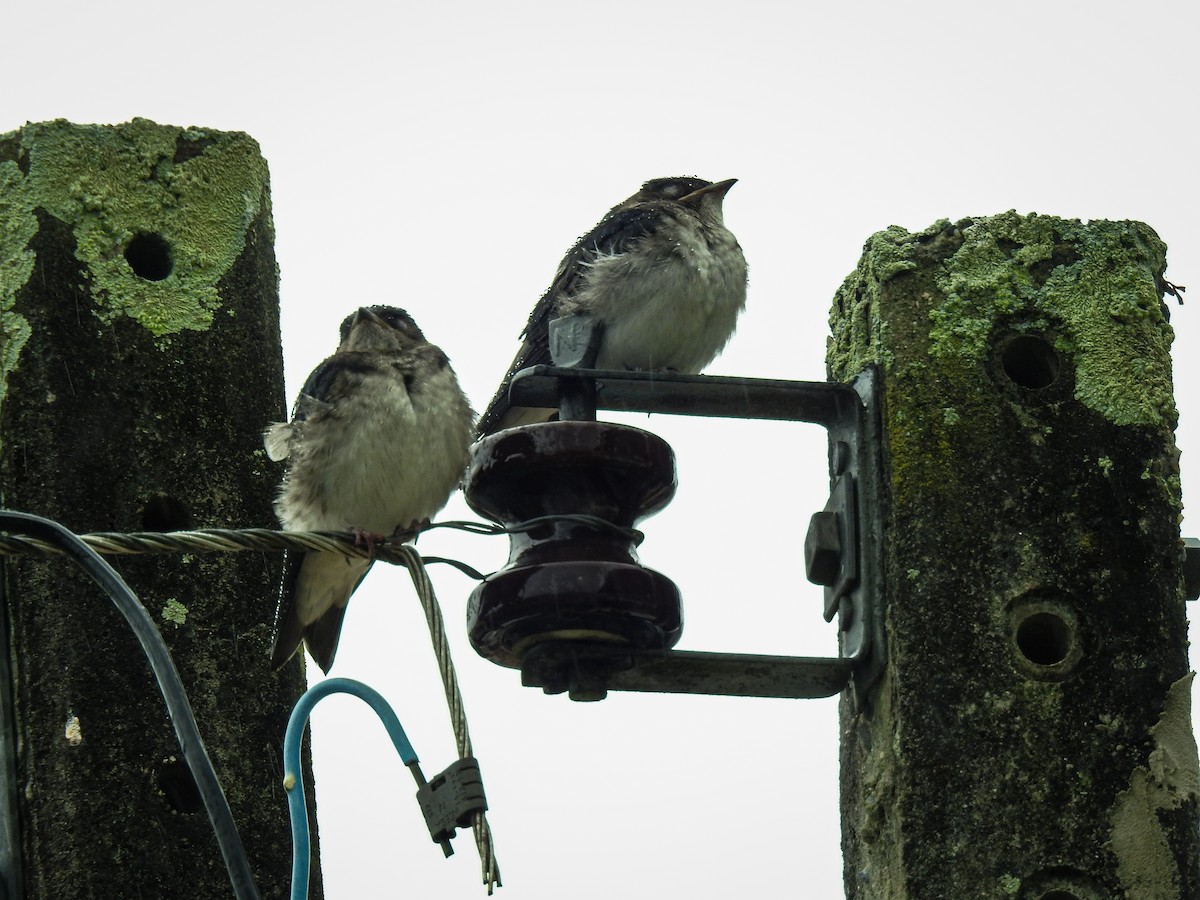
(442, 157)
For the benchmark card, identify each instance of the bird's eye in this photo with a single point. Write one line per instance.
(398, 320)
(673, 188)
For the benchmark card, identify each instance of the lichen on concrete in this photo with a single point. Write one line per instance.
(858, 332)
(174, 612)
(16, 265)
(196, 190)
(1035, 273)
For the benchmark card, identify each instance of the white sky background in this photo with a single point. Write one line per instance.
(442, 157)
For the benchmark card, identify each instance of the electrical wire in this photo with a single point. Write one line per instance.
(214, 540)
(179, 709)
(454, 702)
(293, 782)
(395, 550)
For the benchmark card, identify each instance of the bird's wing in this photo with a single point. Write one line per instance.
(315, 397)
(313, 594)
(615, 233)
(324, 385)
(278, 441)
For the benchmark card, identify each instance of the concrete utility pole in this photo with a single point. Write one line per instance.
(140, 362)
(1031, 735)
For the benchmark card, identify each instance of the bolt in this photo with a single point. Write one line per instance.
(823, 548)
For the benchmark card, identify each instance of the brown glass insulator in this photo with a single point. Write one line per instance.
(573, 603)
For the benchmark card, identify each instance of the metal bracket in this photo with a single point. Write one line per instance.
(1191, 568)
(849, 414)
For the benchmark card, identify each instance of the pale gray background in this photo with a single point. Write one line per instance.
(442, 157)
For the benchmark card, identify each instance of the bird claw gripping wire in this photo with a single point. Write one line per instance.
(451, 800)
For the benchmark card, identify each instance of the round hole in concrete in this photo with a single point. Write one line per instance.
(149, 255)
(1030, 362)
(179, 787)
(1062, 884)
(1045, 635)
(1044, 638)
(165, 513)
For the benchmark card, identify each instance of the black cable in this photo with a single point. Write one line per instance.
(178, 708)
(469, 571)
(488, 529)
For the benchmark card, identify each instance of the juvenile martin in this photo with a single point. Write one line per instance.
(662, 274)
(378, 441)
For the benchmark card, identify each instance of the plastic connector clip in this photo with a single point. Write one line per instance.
(451, 799)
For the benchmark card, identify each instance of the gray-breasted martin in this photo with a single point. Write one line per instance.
(660, 272)
(378, 441)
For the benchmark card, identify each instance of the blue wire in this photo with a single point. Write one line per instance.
(293, 781)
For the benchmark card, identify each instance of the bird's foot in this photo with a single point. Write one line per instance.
(411, 531)
(369, 539)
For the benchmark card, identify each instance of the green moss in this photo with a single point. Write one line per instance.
(1122, 372)
(193, 190)
(1098, 283)
(17, 228)
(858, 333)
(1095, 287)
(984, 280)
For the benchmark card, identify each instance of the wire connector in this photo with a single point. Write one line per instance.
(451, 800)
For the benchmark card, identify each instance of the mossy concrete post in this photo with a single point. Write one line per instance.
(1030, 737)
(140, 362)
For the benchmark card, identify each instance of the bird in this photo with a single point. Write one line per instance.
(378, 441)
(661, 274)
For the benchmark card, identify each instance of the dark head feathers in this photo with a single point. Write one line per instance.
(392, 316)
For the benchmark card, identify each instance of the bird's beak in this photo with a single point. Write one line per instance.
(718, 190)
(366, 315)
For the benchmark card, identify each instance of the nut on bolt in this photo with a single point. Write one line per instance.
(823, 548)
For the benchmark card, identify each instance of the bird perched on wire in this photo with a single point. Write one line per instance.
(662, 275)
(378, 442)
